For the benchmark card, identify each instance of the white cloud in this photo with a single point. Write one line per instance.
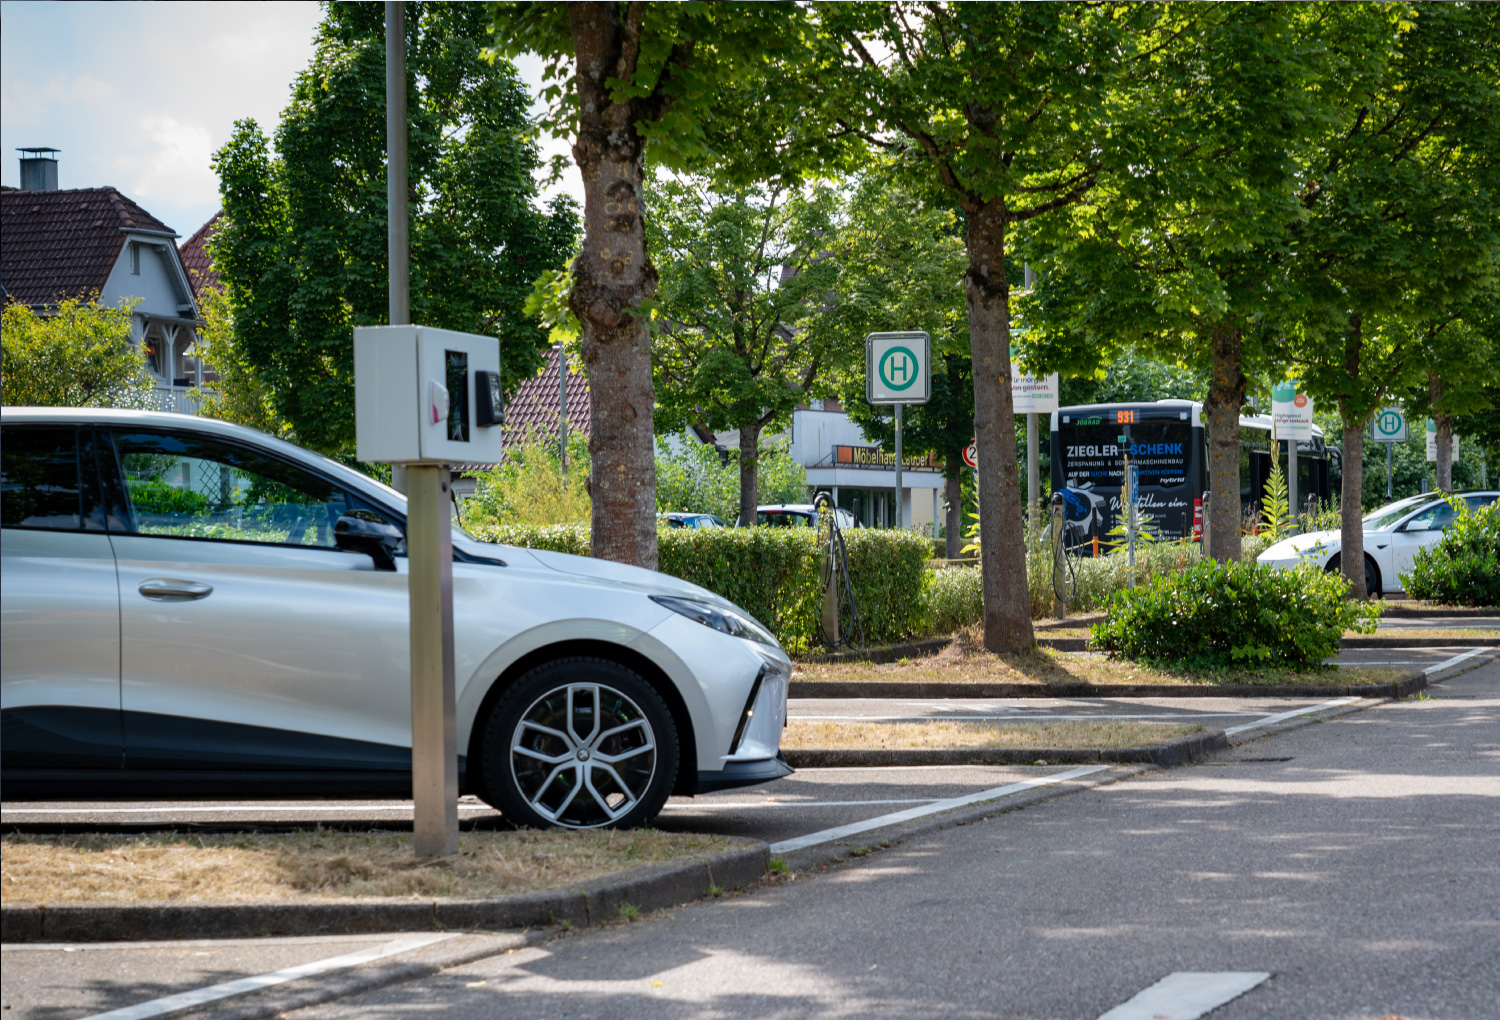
(177, 162)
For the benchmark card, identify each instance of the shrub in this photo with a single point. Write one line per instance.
(774, 574)
(955, 599)
(1464, 568)
(528, 487)
(1213, 614)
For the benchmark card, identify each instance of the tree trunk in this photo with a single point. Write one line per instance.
(612, 276)
(749, 473)
(1351, 520)
(1226, 394)
(1444, 437)
(1002, 558)
(953, 492)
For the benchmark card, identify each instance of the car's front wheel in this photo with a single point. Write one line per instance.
(580, 743)
(1372, 574)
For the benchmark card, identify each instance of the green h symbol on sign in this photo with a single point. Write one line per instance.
(898, 368)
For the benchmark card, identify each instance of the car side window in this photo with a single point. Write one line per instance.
(1434, 518)
(1477, 503)
(41, 482)
(186, 486)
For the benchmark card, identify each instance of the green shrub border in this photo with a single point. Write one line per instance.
(774, 573)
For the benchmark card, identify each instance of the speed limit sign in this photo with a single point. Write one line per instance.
(971, 455)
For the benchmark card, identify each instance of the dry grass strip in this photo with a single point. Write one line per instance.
(966, 735)
(966, 660)
(320, 864)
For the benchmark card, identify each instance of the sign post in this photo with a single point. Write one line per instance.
(898, 371)
(1032, 396)
(1291, 419)
(1388, 426)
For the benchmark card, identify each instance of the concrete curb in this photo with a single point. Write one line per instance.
(1074, 644)
(1405, 607)
(896, 689)
(653, 887)
(837, 851)
(1163, 755)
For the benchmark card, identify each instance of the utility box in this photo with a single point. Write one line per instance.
(426, 396)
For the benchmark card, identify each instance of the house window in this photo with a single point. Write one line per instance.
(155, 344)
(135, 259)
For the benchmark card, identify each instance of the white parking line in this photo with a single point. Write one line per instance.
(1268, 720)
(1012, 718)
(176, 810)
(199, 996)
(936, 807)
(1186, 995)
(1448, 663)
(699, 805)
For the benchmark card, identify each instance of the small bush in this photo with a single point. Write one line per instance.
(955, 599)
(1464, 568)
(1212, 615)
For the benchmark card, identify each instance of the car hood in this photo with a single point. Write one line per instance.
(618, 575)
(1297, 545)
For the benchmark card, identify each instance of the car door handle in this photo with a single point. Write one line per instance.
(171, 589)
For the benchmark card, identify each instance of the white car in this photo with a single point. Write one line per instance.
(784, 515)
(194, 609)
(1393, 534)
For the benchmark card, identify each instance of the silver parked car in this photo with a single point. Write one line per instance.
(194, 609)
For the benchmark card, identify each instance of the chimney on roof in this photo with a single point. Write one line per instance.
(39, 169)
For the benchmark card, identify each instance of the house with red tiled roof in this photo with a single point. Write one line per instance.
(532, 413)
(97, 243)
(194, 255)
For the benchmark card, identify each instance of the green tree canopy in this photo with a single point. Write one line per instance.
(746, 283)
(303, 252)
(80, 354)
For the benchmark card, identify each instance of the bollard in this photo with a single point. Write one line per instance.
(1059, 561)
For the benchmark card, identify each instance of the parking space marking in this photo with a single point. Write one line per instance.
(1012, 718)
(174, 809)
(213, 993)
(1280, 716)
(1448, 663)
(936, 807)
(698, 805)
(1186, 995)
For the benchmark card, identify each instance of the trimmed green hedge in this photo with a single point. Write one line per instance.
(1233, 614)
(773, 573)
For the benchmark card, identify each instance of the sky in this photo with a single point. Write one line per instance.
(140, 95)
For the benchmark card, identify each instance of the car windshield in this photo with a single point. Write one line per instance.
(1387, 516)
(783, 518)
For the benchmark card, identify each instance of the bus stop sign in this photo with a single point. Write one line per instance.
(1388, 426)
(898, 368)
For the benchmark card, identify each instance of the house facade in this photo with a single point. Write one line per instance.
(98, 243)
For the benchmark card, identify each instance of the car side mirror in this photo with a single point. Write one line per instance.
(362, 531)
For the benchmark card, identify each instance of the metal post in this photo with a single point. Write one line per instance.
(1291, 483)
(1387, 470)
(1059, 561)
(1033, 470)
(397, 239)
(899, 515)
(562, 413)
(434, 732)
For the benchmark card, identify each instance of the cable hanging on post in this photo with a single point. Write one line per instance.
(841, 624)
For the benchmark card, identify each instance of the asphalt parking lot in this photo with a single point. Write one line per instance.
(806, 817)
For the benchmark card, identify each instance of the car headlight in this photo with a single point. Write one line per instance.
(726, 621)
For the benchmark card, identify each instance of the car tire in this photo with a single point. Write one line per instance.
(579, 743)
(1372, 574)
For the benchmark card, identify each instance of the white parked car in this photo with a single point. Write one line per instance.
(194, 609)
(1393, 534)
(785, 515)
